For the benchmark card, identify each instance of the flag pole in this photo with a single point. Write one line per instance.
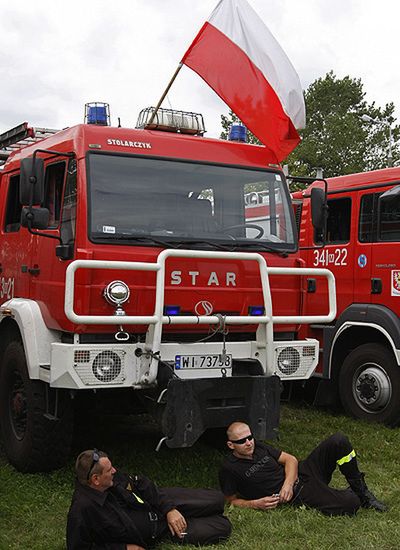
(165, 93)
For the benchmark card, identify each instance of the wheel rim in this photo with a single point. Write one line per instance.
(372, 388)
(18, 407)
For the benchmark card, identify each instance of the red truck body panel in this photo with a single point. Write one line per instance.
(47, 287)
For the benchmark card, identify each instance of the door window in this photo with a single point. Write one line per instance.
(14, 208)
(53, 191)
(389, 218)
(366, 225)
(69, 205)
(380, 217)
(338, 223)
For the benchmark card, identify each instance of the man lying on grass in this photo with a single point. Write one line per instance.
(115, 511)
(256, 475)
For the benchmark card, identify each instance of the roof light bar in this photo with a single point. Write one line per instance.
(170, 120)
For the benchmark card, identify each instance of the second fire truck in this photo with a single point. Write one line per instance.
(358, 239)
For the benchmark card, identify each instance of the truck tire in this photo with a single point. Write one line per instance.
(34, 441)
(369, 385)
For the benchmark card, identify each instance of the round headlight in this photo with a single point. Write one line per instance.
(288, 361)
(116, 293)
(106, 366)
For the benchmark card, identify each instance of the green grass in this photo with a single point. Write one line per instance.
(33, 508)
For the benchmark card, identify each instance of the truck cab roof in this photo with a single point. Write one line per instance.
(86, 137)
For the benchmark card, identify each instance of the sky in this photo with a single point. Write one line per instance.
(56, 56)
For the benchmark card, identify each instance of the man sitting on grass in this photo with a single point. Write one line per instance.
(114, 511)
(256, 475)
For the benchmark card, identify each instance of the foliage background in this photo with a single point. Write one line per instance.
(336, 139)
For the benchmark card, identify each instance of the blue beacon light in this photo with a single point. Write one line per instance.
(237, 132)
(97, 113)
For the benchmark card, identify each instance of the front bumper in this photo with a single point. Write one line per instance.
(192, 406)
(91, 366)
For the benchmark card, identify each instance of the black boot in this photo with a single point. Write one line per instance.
(368, 499)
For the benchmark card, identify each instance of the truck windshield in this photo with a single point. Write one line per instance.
(179, 201)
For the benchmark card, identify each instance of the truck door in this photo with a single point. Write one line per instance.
(16, 245)
(385, 265)
(60, 199)
(363, 237)
(337, 255)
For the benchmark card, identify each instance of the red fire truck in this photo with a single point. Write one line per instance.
(130, 279)
(359, 241)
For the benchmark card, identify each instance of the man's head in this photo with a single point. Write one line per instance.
(240, 440)
(94, 468)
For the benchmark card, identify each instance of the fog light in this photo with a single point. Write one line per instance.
(116, 293)
(288, 361)
(106, 366)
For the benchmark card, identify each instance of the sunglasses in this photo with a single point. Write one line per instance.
(242, 440)
(95, 459)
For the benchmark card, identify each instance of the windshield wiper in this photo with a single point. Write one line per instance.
(267, 248)
(125, 237)
(162, 242)
(187, 243)
(165, 243)
(205, 242)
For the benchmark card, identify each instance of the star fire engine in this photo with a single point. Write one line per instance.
(360, 242)
(129, 275)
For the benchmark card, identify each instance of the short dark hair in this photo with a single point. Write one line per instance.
(83, 465)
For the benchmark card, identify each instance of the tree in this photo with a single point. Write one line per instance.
(336, 138)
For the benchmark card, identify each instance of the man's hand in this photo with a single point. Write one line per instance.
(286, 492)
(134, 547)
(176, 523)
(265, 503)
(291, 472)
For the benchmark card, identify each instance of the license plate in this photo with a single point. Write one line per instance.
(203, 362)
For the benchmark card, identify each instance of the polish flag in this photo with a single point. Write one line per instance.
(235, 53)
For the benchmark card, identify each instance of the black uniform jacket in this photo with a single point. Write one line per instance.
(255, 477)
(109, 520)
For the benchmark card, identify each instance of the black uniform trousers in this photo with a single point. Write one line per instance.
(315, 474)
(203, 511)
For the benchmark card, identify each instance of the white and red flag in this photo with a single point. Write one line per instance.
(235, 53)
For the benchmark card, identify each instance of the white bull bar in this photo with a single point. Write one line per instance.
(264, 335)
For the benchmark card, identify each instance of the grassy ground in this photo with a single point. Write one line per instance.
(33, 508)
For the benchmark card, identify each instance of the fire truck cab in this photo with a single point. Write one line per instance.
(131, 280)
(359, 241)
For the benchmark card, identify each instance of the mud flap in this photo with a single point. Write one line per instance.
(192, 406)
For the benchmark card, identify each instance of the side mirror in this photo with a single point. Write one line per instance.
(35, 218)
(31, 181)
(391, 193)
(65, 251)
(318, 208)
